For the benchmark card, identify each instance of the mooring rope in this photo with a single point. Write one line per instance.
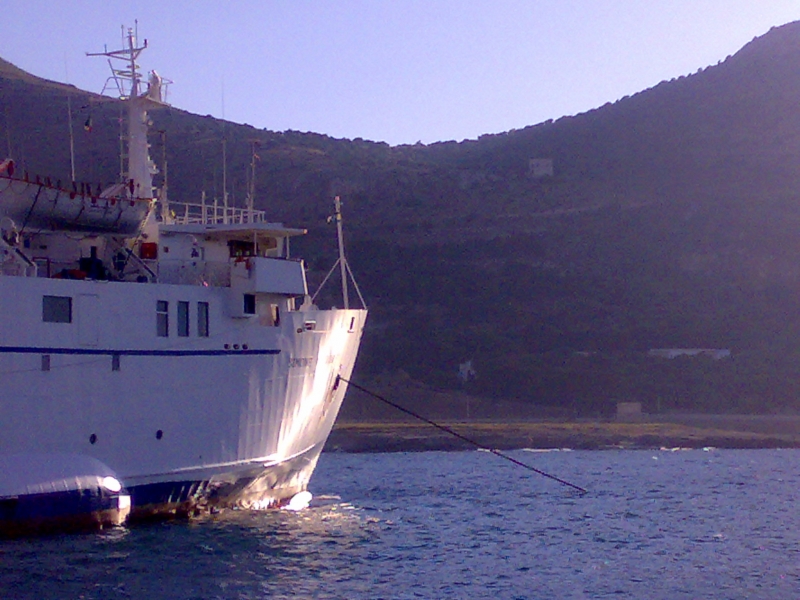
(460, 436)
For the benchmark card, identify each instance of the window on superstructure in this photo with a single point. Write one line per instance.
(275, 314)
(162, 318)
(183, 319)
(239, 249)
(202, 319)
(249, 307)
(57, 309)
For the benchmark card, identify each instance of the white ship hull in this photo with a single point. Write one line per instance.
(235, 418)
(178, 348)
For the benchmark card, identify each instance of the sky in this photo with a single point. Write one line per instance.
(396, 71)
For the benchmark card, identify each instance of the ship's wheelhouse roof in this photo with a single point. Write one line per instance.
(232, 231)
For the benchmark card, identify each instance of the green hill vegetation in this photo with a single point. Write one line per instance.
(671, 220)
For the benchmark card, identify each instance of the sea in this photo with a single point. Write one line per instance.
(667, 523)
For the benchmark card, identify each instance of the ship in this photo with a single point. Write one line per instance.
(172, 349)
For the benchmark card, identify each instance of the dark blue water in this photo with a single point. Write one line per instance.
(655, 524)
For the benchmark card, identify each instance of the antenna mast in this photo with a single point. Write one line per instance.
(251, 188)
(128, 81)
(342, 261)
(224, 178)
(71, 138)
(165, 183)
(224, 159)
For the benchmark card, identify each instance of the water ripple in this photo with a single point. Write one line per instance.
(690, 524)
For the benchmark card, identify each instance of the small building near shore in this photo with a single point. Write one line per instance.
(540, 167)
(466, 372)
(713, 353)
(629, 411)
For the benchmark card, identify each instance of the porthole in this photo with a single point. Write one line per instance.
(93, 439)
(159, 434)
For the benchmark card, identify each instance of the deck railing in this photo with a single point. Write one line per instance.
(184, 213)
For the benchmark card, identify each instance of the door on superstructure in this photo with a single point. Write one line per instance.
(88, 315)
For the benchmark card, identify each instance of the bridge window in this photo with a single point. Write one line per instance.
(239, 248)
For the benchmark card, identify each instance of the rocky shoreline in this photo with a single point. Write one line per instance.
(594, 435)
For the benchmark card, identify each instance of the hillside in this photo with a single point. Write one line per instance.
(671, 221)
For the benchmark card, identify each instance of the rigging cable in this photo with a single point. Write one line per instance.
(460, 436)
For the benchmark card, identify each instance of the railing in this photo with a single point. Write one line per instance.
(184, 213)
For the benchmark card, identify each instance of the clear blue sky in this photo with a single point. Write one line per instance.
(398, 71)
